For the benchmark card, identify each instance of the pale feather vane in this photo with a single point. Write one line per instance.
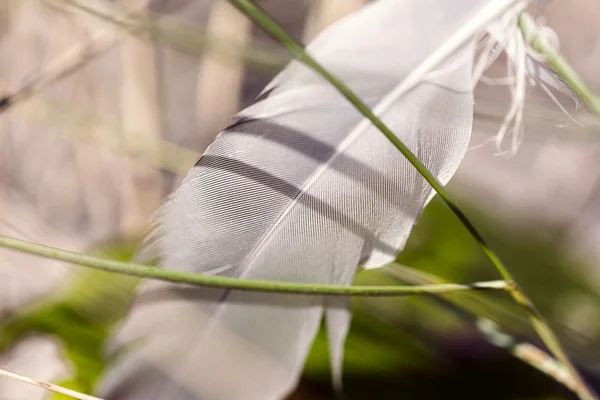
(301, 189)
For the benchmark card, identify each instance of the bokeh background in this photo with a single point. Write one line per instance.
(86, 161)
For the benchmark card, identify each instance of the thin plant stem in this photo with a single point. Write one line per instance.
(144, 271)
(558, 64)
(527, 353)
(60, 68)
(524, 351)
(48, 386)
(188, 39)
(263, 20)
(185, 39)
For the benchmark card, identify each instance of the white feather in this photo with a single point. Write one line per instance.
(524, 66)
(303, 189)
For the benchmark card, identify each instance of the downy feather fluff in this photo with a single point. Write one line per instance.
(301, 188)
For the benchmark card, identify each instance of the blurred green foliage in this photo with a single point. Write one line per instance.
(80, 318)
(418, 348)
(409, 347)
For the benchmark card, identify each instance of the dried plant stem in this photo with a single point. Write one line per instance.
(47, 385)
(141, 186)
(188, 39)
(527, 353)
(263, 20)
(524, 351)
(192, 41)
(215, 106)
(63, 66)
